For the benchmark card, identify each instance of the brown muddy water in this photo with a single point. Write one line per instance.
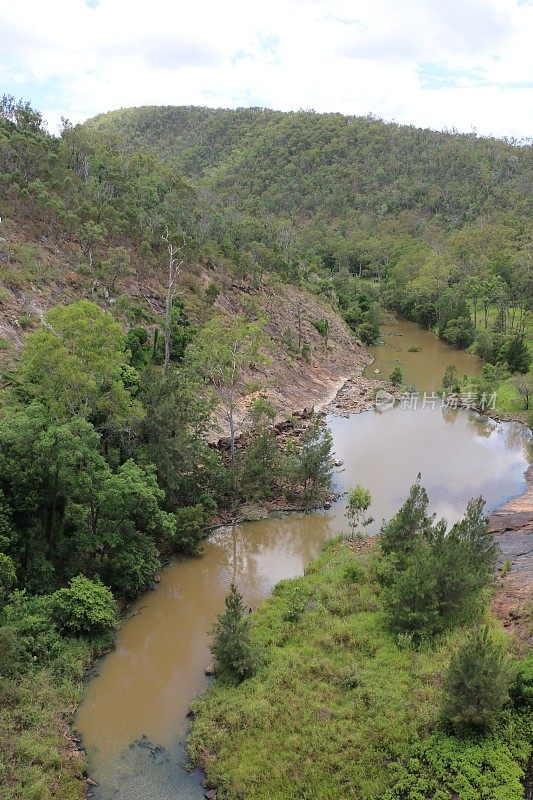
(423, 369)
(133, 718)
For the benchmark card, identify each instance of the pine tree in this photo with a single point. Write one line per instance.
(409, 523)
(232, 649)
(476, 684)
(517, 354)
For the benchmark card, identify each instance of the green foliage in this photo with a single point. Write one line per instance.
(181, 334)
(233, 653)
(443, 767)
(312, 463)
(355, 710)
(73, 367)
(459, 332)
(221, 353)
(261, 465)
(85, 607)
(359, 501)
(8, 577)
(476, 684)
(211, 293)
(521, 689)
(489, 382)
(410, 523)
(191, 522)
(433, 577)
(450, 380)
(174, 431)
(442, 233)
(322, 326)
(517, 354)
(138, 345)
(396, 376)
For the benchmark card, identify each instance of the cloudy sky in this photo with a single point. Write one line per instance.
(440, 63)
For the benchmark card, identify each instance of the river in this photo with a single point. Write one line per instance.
(133, 717)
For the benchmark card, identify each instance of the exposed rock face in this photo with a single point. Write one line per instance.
(512, 525)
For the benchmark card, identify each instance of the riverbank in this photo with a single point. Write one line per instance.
(339, 708)
(512, 526)
(146, 684)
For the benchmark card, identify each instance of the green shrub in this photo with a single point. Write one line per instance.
(396, 376)
(296, 600)
(232, 649)
(476, 685)
(25, 321)
(211, 293)
(191, 522)
(8, 577)
(85, 607)
(521, 689)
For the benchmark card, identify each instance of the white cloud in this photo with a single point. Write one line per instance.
(459, 63)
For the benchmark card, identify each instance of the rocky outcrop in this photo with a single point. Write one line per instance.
(512, 525)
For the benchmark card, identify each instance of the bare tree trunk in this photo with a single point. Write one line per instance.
(299, 323)
(174, 268)
(232, 437)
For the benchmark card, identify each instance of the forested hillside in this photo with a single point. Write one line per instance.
(442, 220)
(165, 270)
(126, 336)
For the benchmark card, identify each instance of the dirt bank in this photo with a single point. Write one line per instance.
(512, 525)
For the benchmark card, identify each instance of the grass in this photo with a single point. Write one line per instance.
(508, 399)
(38, 759)
(339, 704)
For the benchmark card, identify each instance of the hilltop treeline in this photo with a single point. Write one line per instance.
(442, 220)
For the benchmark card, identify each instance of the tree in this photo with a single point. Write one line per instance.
(474, 530)
(74, 365)
(190, 527)
(85, 607)
(524, 387)
(396, 376)
(137, 344)
(8, 577)
(131, 521)
(181, 334)
(260, 467)
(432, 577)
(116, 266)
(476, 684)
(322, 326)
(359, 501)
(410, 594)
(233, 653)
(451, 379)
(222, 353)
(412, 521)
(314, 460)
(175, 263)
(459, 332)
(517, 354)
(174, 435)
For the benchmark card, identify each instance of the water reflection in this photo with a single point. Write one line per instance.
(146, 684)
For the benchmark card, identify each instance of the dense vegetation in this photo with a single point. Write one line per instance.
(105, 463)
(340, 698)
(441, 220)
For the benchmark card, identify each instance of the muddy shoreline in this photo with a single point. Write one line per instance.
(512, 526)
